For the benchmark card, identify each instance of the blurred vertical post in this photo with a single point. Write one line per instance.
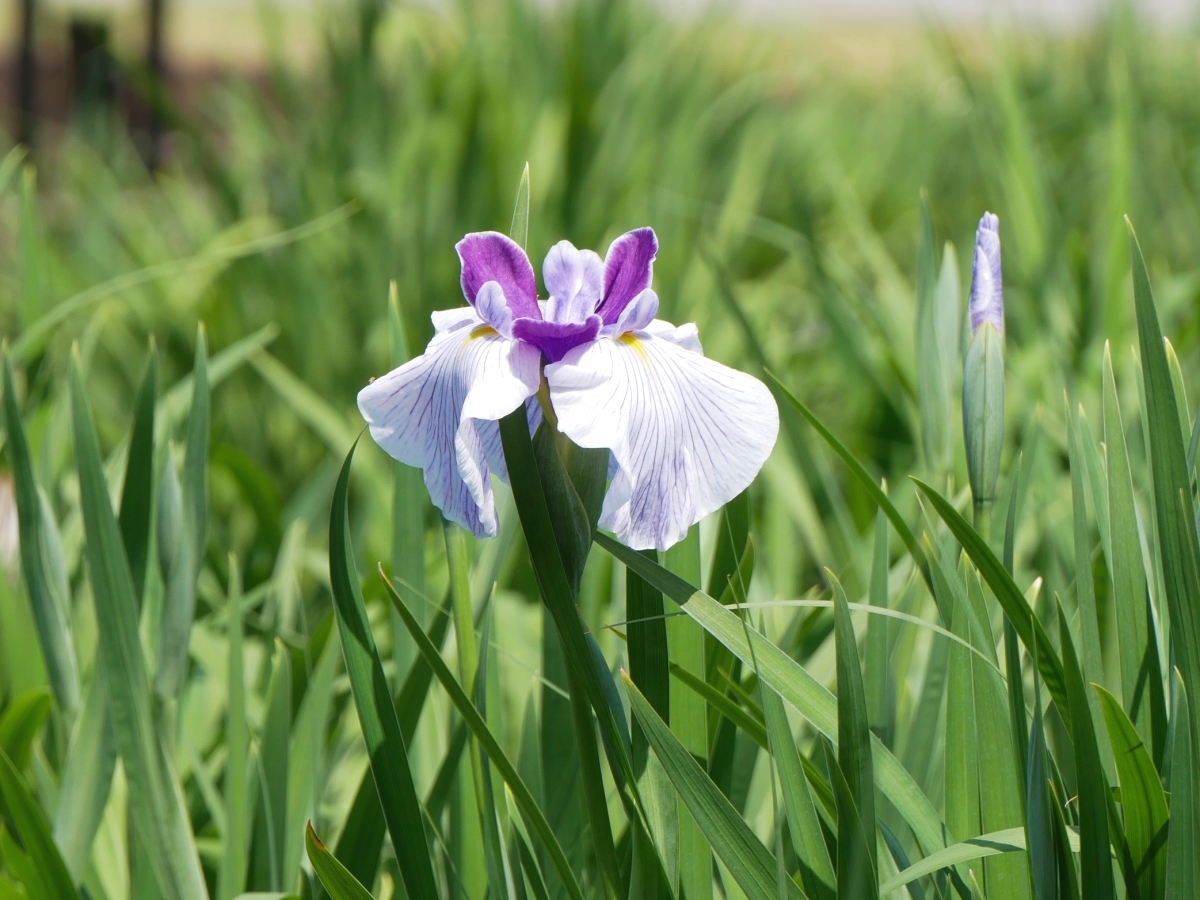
(26, 74)
(156, 68)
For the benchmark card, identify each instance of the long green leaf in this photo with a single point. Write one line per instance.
(1142, 801)
(22, 720)
(1176, 520)
(232, 874)
(804, 825)
(1012, 601)
(34, 830)
(857, 863)
(1183, 866)
(340, 884)
(488, 743)
(864, 478)
(270, 822)
(381, 730)
(137, 492)
(689, 714)
(86, 776)
(749, 862)
(1094, 797)
(793, 683)
(179, 603)
(50, 617)
(1138, 654)
(554, 587)
(1010, 840)
(156, 801)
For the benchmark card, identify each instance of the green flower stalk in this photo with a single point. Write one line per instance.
(983, 369)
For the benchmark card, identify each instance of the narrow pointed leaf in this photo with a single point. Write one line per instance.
(1142, 801)
(34, 831)
(156, 800)
(340, 884)
(179, 603)
(488, 744)
(1094, 796)
(52, 627)
(381, 730)
(1183, 864)
(749, 862)
(793, 683)
(1173, 508)
(1011, 600)
(137, 492)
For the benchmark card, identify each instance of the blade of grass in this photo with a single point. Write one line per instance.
(137, 493)
(750, 863)
(336, 879)
(689, 715)
(86, 776)
(53, 630)
(1142, 801)
(646, 645)
(232, 874)
(793, 683)
(804, 825)
(488, 744)
(270, 821)
(1183, 866)
(1095, 857)
(1175, 520)
(554, 587)
(864, 478)
(381, 729)
(857, 864)
(1011, 600)
(156, 799)
(1139, 658)
(880, 705)
(1039, 817)
(26, 816)
(179, 603)
(22, 720)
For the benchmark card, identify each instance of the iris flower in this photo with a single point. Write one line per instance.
(686, 434)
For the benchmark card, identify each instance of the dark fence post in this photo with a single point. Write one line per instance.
(157, 67)
(26, 75)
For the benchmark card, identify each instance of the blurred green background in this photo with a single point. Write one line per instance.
(782, 167)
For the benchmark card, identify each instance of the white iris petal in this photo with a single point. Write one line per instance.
(687, 433)
(439, 412)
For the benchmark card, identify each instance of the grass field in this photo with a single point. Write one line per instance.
(871, 679)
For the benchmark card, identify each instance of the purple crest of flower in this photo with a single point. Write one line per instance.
(987, 285)
(556, 339)
(628, 270)
(490, 256)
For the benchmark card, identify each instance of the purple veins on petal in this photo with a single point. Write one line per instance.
(987, 285)
(438, 412)
(628, 270)
(687, 434)
(490, 256)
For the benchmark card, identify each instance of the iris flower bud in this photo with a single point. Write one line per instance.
(983, 369)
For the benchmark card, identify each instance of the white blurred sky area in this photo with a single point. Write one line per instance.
(1052, 13)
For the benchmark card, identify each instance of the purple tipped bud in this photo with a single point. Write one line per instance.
(987, 286)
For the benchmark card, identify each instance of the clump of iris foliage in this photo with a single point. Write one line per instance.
(178, 702)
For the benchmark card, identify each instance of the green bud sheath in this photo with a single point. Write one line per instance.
(983, 410)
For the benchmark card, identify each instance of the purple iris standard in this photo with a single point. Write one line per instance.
(686, 434)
